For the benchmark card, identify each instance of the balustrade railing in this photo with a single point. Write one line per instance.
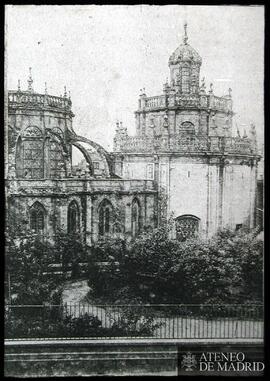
(81, 184)
(153, 102)
(143, 144)
(220, 103)
(188, 100)
(21, 97)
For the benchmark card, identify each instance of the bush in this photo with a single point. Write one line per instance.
(227, 268)
(28, 263)
(52, 322)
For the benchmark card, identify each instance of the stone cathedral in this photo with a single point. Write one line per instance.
(183, 163)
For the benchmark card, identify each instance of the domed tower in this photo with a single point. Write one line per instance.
(185, 64)
(184, 141)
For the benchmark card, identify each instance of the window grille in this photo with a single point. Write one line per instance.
(96, 164)
(187, 127)
(37, 218)
(105, 218)
(186, 227)
(57, 164)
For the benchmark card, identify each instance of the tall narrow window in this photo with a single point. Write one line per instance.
(135, 218)
(37, 218)
(185, 79)
(96, 164)
(57, 163)
(30, 149)
(73, 218)
(150, 171)
(19, 158)
(186, 227)
(105, 217)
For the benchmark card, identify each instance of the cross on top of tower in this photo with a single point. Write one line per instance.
(185, 39)
(30, 80)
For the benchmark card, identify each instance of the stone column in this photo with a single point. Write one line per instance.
(128, 218)
(220, 194)
(253, 184)
(63, 214)
(88, 220)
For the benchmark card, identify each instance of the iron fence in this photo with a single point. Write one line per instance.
(160, 321)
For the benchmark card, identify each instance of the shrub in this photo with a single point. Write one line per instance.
(155, 268)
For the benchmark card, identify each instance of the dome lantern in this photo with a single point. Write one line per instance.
(184, 64)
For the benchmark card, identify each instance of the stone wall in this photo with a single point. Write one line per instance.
(206, 122)
(55, 197)
(219, 195)
(116, 357)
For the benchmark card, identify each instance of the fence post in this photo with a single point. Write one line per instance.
(9, 289)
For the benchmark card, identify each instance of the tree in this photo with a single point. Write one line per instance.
(155, 268)
(28, 263)
(70, 250)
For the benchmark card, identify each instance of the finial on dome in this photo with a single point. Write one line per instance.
(69, 95)
(165, 123)
(46, 88)
(245, 133)
(211, 88)
(65, 92)
(185, 39)
(152, 124)
(203, 85)
(237, 130)
(30, 80)
(19, 85)
(230, 92)
(253, 130)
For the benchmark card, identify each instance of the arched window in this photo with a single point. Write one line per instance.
(30, 150)
(135, 217)
(37, 218)
(105, 217)
(186, 227)
(37, 157)
(187, 128)
(73, 218)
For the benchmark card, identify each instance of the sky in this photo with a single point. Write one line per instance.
(105, 54)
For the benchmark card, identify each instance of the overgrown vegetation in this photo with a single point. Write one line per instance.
(154, 268)
(53, 322)
(151, 269)
(30, 267)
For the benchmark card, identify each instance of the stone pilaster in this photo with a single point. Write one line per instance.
(88, 220)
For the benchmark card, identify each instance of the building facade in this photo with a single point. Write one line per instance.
(183, 162)
(184, 142)
(46, 194)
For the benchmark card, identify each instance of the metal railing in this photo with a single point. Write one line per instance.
(157, 321)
